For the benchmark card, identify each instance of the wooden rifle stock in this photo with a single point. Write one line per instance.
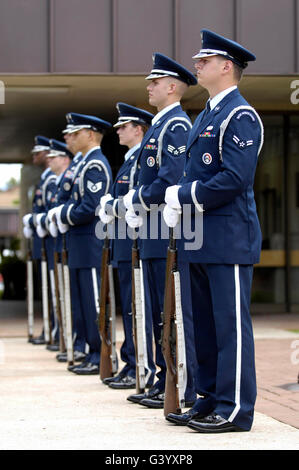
(107, 365)
(169, 339)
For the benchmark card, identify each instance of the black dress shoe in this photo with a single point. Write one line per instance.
(213, 423)
(61, 357)
(136, 398)
(115, 378)
(184, 418)
(124, 383)
(76, 366)
(53, 347)
(78, 356)
(39, 340)
(155, 402)
(87, 369)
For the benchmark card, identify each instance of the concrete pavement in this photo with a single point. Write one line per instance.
(43, 406)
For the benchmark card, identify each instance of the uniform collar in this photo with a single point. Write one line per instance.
(77, 157)
(219, 97)
(97, 147)
(45, 172)
(131, 151)
(58, 178)
(164, 111)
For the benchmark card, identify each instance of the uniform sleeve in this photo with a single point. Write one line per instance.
(50, 193)
(93, 186)
(240, 151)
(171, 166)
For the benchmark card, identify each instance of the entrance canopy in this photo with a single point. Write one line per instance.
(37, 104)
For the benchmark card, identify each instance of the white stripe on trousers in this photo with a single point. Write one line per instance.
(239, 343)
(95, 289)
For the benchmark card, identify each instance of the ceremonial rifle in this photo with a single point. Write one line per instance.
(61, 295)
(58, 295)
(173, 339)
(107, 316)
(138, 321)
(45, 294)
(67, 304)
(30, 294)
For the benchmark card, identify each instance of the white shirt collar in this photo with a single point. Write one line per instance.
(45, 172)
(77, 156)
(131, 151)
(58, 178)
(97, 147)
(164, 111)
(214, 101)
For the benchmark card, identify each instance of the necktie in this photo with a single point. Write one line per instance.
(206, 111)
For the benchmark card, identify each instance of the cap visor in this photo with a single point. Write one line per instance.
(121, 123)
(200, 55)
(155, 75)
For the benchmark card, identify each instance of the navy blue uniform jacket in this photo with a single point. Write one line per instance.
(92, 181)
(158, 170)
(224, 184)
(121, 245)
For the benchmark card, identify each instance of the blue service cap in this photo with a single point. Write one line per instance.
(83, 121)
(128, 113)
(163, 66)
(214, 44)
(41, 144)
(59, 149)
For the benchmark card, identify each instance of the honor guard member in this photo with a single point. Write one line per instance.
(63, 195)
(60, 160)
(222, 154)
(67, 134)
(92, 180)
(161, 160)
(49, 190)
(39, 152)
(131, 126)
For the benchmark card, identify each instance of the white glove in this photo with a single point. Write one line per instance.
(51, 213)
(26, 219)
(39, 217)
(28, 232)
(105, 199)
(128, 199)
(63, 228)
(171, 216)
(132, 219)
(53, 229)
(105, 218)
(172, 197)
(41, 232)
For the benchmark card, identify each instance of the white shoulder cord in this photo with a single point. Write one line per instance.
(226, 121)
